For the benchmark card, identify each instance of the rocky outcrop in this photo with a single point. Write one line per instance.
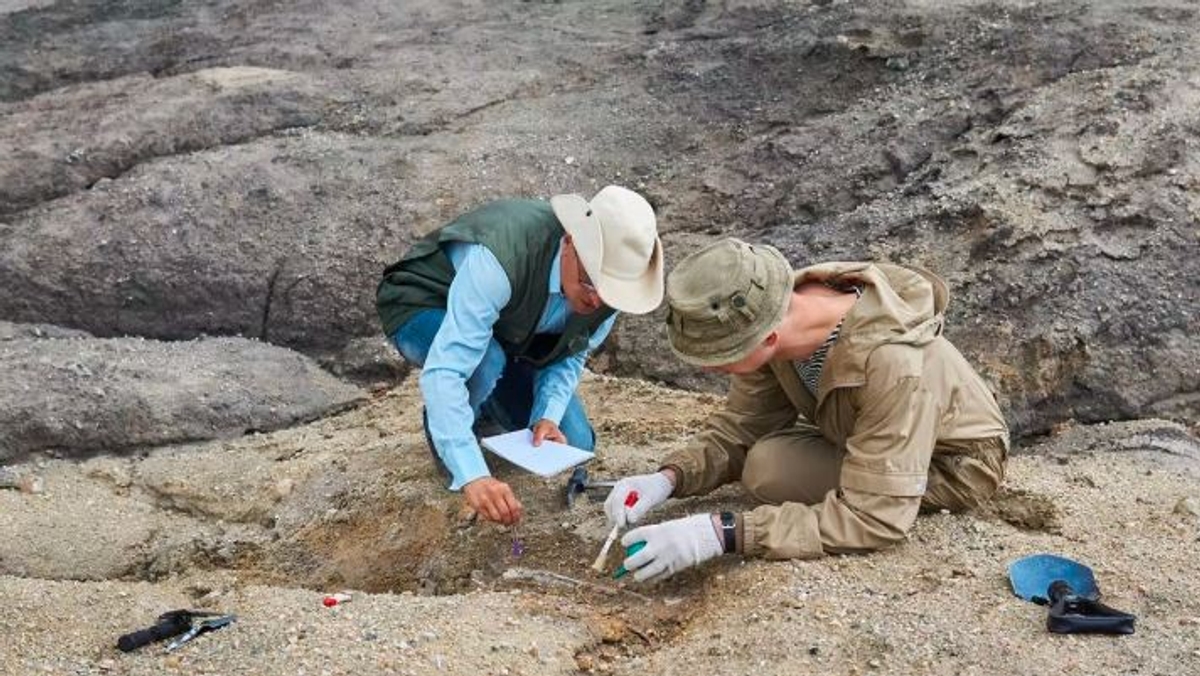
(1054, 189)
(50, 150)
(275, 158)
(75, 396)
(268, 240)
(13, 331)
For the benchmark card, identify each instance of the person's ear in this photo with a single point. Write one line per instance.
(772, 339)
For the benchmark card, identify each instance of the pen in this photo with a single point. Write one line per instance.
(518, 544)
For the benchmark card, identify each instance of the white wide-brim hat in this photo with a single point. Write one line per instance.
(616, 238)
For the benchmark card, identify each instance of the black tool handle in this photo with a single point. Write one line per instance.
(1074, 614)
(163, 630)
(1059, 590)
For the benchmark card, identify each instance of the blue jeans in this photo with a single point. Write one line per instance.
(501, 389)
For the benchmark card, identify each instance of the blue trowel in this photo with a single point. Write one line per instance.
(1069, 588)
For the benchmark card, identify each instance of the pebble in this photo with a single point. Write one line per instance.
(1187, 506)
(611, 629)
(26, 483)
(284, 488)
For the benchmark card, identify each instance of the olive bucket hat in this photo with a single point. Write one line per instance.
(724, 299)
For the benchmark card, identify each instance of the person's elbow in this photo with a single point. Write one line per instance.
(433, 383)
(885, 536)
(866, 541)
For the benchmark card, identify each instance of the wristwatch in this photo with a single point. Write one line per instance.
(729, 532)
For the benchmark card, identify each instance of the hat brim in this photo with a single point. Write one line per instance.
(783, 279)
(733, 356)
(634, 296)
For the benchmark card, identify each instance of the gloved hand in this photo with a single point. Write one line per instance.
(653, 490)
(672, 546)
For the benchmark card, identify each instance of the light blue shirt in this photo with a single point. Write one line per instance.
(460, 352)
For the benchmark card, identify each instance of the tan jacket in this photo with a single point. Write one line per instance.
(893, 392)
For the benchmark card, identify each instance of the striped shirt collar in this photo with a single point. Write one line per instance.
(810, 369)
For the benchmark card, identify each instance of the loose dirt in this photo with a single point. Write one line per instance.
(264, 525)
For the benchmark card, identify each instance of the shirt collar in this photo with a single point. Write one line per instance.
(556, 269)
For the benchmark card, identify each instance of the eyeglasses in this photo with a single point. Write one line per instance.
(585, 282)
(582, 278)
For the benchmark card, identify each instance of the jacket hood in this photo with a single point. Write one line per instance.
(899, 304)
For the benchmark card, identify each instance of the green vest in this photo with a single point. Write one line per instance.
(523, 235)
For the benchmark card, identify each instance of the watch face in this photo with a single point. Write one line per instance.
(729, 532)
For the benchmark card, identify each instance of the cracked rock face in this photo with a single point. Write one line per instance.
(172, 171)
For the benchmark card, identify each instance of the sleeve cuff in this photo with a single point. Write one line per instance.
(688, 474)
(788, 531)
(465, 470)
(552, 411)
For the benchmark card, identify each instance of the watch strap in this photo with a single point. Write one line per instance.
(729, 532)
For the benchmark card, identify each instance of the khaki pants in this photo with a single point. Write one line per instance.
(800, 465)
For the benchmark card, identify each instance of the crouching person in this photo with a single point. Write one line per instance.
(501, 308)
(848, 411)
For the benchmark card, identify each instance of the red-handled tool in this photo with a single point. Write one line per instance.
(598, 565)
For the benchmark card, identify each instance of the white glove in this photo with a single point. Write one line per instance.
(672, 546)
(652, 490)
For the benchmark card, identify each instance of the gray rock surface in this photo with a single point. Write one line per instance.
(51, 150)
(77, 396)
(1049, 176)
(1041, 157)
(13, 331)
(285, 254)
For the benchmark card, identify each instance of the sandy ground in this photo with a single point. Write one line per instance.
(1121, 497)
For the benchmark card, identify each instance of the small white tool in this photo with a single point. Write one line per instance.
(598, 564)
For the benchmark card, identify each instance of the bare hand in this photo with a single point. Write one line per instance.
(547, 429)
(494, 499)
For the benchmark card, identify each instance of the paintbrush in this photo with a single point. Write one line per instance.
(598, 565)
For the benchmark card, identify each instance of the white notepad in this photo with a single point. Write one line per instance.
(546, 460)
